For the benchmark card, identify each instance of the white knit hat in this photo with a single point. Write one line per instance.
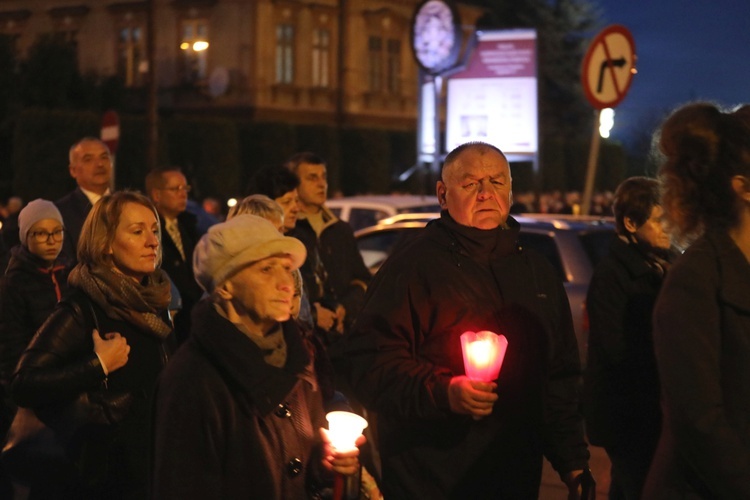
(230, 246)
(32, 213)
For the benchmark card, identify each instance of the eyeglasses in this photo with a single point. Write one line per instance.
(43, 236)
(177, 189)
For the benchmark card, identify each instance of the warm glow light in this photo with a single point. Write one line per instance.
(344, 428)
(484, 353)
(200, 45)
(184, 45)
(231, 202)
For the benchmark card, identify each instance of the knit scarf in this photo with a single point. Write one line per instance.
(125, 299)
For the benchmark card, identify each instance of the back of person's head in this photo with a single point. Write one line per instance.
(298, 159)
(273, 182)
(155, 178)
(635, 198)
(703, 148)
(260, 205)
(32, 213)
(99, 229)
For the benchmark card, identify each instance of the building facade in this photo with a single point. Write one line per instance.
(301, 61)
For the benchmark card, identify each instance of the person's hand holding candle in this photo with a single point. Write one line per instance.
(341, 442)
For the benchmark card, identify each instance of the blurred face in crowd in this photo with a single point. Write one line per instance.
(262, 292)
(290, 203)
(651, 232)
(171, 199)
(313, 186)
(476, 188)
(91, 166)
(135, 246)
(45, 239)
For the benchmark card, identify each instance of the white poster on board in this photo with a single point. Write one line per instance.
(494, 99)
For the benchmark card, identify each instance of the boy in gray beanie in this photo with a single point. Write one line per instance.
(33, 283)
(243, 387)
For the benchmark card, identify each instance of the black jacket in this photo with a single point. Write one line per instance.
(74, 208)
(59, 364)
(228, 425)
(181, 271)
(29, 291)
(621, 384)
(404, 349)
(702, 345)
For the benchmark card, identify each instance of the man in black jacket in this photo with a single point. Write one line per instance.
(91, 167)
(442, 434)
(168, 189)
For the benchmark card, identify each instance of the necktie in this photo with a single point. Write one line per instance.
(174, 233)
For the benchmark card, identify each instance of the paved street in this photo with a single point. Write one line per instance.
(553, 489)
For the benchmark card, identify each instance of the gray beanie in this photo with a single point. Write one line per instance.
(230, 246)
(32, 213)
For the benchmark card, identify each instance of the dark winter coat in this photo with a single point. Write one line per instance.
(702, 343)
(181, 271)
(621, 384)
(74, 208)
(405, 348)
(230, 426)
(60, 364)
(29, 291)
(346, 276)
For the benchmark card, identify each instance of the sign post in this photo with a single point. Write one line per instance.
(606, 75)
(110, 135)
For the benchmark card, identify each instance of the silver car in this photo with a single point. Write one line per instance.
(572, 244)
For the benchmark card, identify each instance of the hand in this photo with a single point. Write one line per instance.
(471, 397)
(346, 462)
(326, 317)
(113, 349)
(581, 485)
(340, 316)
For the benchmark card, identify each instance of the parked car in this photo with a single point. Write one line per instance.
(367, 210)
(572, 244)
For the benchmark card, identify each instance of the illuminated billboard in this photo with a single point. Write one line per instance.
(494, 99)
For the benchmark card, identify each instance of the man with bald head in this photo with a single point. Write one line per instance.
(90, 164)
(441, 434)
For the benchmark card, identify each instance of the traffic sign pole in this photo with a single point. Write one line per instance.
(591, 169)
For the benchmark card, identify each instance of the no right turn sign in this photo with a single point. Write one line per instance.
(608, 67)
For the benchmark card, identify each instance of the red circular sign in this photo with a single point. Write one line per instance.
(609, 67)
(110, 133)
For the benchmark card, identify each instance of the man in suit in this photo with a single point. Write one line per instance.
(91, 166)
(168, 189)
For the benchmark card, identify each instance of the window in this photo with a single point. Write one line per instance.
(284, 53)
(375, 57)
(384, 65)
(194, 48)
(131, 60)
(320, 57)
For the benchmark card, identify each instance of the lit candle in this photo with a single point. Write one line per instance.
(344, 428)
(484, 353)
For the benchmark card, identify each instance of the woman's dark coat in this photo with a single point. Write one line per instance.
(702, 342)
(228, 425)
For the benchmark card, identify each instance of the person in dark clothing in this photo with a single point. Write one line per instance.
(168, 189)
(621, 384)
(91, 166)
(702, 315)
(107, 338)
(441, 434)
(239, 406)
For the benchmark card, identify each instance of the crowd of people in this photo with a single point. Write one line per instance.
(144, 354)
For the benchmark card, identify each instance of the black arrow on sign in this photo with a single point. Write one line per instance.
(608, 64)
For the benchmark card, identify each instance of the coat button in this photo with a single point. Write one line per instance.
(283, 411)
(294, 467)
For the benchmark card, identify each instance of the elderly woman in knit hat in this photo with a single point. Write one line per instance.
(33, 283)
(238, 409)
(91, 369)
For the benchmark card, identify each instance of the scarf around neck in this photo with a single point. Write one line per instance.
(123, 298)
